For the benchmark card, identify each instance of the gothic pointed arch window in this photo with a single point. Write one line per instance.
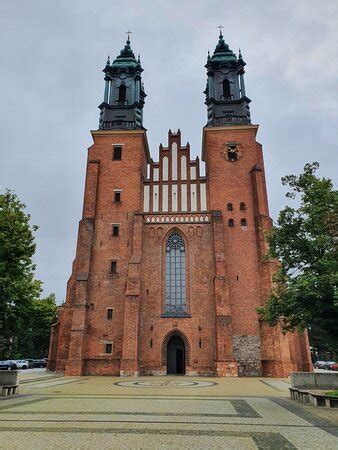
(175, 275)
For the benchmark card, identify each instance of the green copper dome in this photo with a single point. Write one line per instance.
(223, 53)
(126, 57)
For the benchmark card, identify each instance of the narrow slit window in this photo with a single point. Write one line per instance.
(230, 207)
(117, 152)
(108, 348)
(113, 267)
(242, 206)
(231, 222)
(115, 230)
(110, 313)
(117, 196)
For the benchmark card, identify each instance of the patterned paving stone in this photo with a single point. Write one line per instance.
(69, 419)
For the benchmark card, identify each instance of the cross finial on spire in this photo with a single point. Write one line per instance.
(129, 33)
(220, 29)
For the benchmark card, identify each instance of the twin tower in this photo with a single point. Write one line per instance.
(124, 94)
(169, 267)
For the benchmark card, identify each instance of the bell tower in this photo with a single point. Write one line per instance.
(123, 100)
(226, 101)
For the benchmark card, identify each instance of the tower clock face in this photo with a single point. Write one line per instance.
(232, 151)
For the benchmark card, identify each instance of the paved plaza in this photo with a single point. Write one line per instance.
(161, 413)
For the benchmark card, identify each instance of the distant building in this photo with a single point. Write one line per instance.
(169, 267)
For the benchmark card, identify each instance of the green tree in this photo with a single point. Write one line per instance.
(43, 315)
(19, 290)
(304, 294)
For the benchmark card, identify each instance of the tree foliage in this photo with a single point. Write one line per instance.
(20, 303)
(304, 294)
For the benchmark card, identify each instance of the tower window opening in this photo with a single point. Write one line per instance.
(226, 88)
(117, 153)
(122, 94)
(113, 267)
(244, 223)
(117, 196)
(109, 313)
(115, 230)
(200, 343)
(232, 153)
(242, 206)
(151, 343)
(230, 207)
(231, 223)
(108, 348)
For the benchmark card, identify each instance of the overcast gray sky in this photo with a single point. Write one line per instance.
(51, 82)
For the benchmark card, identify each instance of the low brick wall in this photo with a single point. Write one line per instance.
(313, 380)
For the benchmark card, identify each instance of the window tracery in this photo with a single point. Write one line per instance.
(175, 274)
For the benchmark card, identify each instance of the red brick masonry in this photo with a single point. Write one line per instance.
(227, 277)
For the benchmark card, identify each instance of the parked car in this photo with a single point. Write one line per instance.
(39, 363)
(319, 365)
(21, 363)
(8, 365)
(30, 363)
(328, 364)
(334, 366)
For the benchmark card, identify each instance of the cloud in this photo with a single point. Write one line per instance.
(51, 83)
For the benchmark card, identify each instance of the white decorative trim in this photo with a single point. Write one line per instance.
(155, 197)
(183, 167)
(193, 197)
(165, 198)
(146, 190)
(165, 168)
(156, 174)
(177, 218)
(174, 161)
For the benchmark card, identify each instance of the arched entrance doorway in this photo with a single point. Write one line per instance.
(175, 356)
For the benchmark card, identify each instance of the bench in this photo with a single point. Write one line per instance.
(9, 382)
(9, 390)
(300, 395)
(316, 398)
(324, 400)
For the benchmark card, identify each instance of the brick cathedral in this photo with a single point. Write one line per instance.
(169, 266)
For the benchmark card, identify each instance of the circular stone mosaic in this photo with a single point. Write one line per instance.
(170, 384)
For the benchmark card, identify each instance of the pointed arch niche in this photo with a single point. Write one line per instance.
(175, 275)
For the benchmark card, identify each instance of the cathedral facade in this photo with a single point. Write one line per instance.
(170, 266)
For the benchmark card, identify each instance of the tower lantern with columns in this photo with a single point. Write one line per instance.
(226, 101)
(124, 95)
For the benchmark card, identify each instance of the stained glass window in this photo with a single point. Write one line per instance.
(175, 288)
